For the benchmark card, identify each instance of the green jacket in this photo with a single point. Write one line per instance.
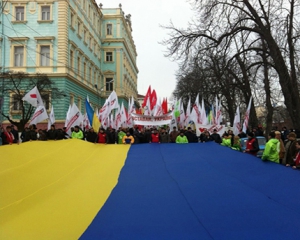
(181, 139)
(121, 134)
(271, 152)
(226, 142)
(237, 147)
(77, 135)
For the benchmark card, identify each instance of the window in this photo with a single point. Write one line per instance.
(109, 84)
(84, 70)
(19, 56)
(45, 56)
(72, 20)
(45, 13)
(78, 65)
(19, 13)
(90, 74)
(84, 35)
(109, 29)
(109, 57)
(79, 27)
(84, 5)
(71, 59)
(16, 102)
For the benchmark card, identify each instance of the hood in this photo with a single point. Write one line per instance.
(274, 140)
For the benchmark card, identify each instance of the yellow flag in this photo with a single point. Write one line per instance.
(96, 123)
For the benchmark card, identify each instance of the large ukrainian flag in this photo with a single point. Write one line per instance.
(72, 189)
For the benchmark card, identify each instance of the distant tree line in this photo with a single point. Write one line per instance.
(238, 49)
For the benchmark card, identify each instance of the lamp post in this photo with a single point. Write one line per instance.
(101, 89)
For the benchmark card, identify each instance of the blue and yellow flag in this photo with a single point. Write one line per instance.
(93, 119)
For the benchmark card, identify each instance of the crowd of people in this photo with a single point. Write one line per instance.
(281, 147)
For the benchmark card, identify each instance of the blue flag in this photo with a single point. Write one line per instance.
(89, 112)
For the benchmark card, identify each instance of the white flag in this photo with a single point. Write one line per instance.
(118, 119)
(52, 116)
(157, 111)
(203, 114)
(123, 116)
(187, 113)
(34, 97)
(147, 111)
(39, 115)
(181, 116)
(75, 118)
(246, 118)
(195, 115)
(51, 119)
(237, 122)
(173, 121)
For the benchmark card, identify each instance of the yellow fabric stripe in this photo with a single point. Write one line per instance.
(54, 189)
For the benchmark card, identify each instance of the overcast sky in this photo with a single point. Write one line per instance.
(147, 16)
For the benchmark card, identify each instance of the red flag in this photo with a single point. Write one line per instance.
(153, 99)
(164, 106)
(148, 95)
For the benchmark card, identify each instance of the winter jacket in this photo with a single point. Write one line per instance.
(271, 151)
(121, 134)
(77, 135)
(226, 142)
(164, 137)
(182, 139)
(128, 139)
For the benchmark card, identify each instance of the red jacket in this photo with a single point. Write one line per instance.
(9, 138)
(155, 138)
(252, 145)
(102, 138)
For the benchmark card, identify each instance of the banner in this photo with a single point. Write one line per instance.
(139, 119)
(200, 128)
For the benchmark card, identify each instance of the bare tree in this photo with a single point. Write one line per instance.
(16, 85)
(273, 21)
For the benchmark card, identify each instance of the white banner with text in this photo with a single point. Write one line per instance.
(139, 119)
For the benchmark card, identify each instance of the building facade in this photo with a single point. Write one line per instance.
(85, 49)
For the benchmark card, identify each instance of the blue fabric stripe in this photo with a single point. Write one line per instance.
(199, 191)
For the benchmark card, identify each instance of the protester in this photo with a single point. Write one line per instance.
(284, 133)
(207, 137)
(155, 136)
(242, 134)
(281, 149)
(173, 135)
(164, 137)
(7, 136)
(25, 136)
(252, 146)
(112, 136)
(236, 144)
(290, 150)
(42, 135)
(91, 135)
(191, 136)
(33, 132)
(181, 138)
(52, 133)
(226, 140)
(15, 133)
(102, 137)
(121, 134)
(216, 136)
(297, 158)
(271, 152)
(77, 133)
(128, 138)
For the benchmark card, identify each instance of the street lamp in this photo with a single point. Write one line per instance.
(101, 89)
